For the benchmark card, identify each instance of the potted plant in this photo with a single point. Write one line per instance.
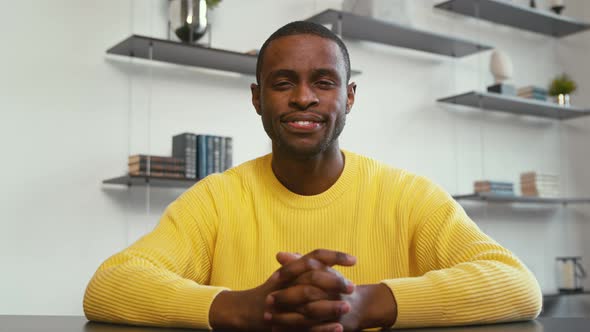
(561, 87)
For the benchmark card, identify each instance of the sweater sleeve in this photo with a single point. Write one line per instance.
(461, 276)
(161, 280)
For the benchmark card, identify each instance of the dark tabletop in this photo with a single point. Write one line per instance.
(80, 324)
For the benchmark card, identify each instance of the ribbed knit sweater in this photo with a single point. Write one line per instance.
(405, 231)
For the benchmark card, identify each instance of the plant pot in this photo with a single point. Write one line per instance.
(187, 19)
(563, 99)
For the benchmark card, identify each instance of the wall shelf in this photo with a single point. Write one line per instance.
(516, 105)
(517, 16)
(188, 55)
(185, 54)
(366, 28)
(130, 181)
(520, 199)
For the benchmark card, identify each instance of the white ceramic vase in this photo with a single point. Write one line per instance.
(500, 66)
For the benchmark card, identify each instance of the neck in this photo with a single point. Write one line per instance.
(308, 176)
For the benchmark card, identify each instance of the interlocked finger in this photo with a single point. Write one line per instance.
(315, 260)
(329, 280)
(295, 296)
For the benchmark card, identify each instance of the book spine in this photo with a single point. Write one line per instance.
(190, 164)
(493, 183)
(174, 162)
(222, 152)
(228, 152)
(154, 159)
(161, 174)
(194, 157)
(201, 156)
(216, 154)
(183, 147)
(210, 157)
(155, 167)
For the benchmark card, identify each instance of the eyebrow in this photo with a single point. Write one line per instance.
(325, 72)
(282, 73)
(291, 73)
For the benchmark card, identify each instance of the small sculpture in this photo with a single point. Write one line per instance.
(501, 68)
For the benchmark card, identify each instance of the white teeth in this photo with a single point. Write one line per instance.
(304, 123)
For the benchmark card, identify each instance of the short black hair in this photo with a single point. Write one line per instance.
(301, 28)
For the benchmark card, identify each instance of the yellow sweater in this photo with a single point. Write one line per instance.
(224, 232)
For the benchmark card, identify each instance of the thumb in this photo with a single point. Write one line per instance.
(287, 257)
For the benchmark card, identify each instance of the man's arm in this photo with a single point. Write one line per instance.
(462, 276)
(159, 280)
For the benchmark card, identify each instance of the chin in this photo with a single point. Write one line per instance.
(303, 151)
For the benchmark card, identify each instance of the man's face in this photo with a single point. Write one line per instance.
(303, 97)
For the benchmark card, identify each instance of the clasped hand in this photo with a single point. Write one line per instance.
(316, 296)
(306, 293)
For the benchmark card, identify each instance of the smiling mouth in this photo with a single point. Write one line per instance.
(304, 125)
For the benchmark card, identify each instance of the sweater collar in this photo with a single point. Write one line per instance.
(294, 200)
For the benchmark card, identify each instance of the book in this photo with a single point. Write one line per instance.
(136, 167)
(494, 183)
(210, 147)
(493, 186)
(201, 156)
(229, 152)
(223, 147)
(534, 96)
(160, 174)
(531, 88)
(154, 159)
(185, 146)
(498, 193)
(533, 176)
(216, 154)
(540, 188)
(486, 186)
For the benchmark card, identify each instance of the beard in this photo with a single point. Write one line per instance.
(299, 151)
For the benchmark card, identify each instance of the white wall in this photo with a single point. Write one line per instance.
(70, 115)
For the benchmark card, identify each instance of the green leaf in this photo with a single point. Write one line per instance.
(562, 84)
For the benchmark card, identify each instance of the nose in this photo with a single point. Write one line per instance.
(303, 97)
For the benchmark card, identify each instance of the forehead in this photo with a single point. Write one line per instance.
(303, 52)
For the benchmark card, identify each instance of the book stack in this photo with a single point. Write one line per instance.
(539, 184)
(494, 187)
(203, 154)
(533, 92)
(157, 166)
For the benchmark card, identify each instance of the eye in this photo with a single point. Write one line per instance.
(282, 85)
(325, 83)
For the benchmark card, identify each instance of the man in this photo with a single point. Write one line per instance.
(400, 251)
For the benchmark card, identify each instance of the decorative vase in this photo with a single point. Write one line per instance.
(500, 66)
(563, 99)
(557, 6)
(188, 19)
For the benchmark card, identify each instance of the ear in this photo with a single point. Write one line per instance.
(350, 92)
(255, 89)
